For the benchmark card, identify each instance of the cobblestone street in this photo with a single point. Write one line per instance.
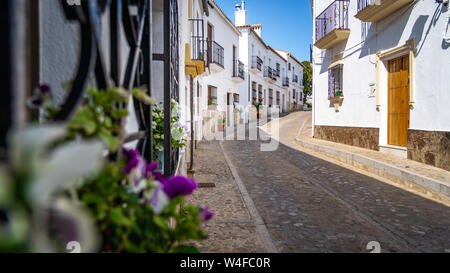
(311, 205)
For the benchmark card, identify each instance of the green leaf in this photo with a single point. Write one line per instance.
(84, 120)
(185, 249)
(119, 218)
(109, 139)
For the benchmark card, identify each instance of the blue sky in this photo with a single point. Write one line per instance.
(287, 24)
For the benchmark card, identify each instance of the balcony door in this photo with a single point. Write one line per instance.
(210, 42)
(398, 101)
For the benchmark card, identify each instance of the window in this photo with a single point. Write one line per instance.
(289, 66)
(236, 98)
(260, 93)
(335, 81)
(254, 94)
(212, 96)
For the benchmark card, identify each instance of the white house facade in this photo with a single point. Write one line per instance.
(269, 79)
(380, 76)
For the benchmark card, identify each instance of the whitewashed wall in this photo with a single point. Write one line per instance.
(426, 22)
(226, 35)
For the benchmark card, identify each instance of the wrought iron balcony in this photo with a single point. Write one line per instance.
(268, 73)
(276, 73)
(198, 41)
(286, 81)
(332, 25)
(238, 70)
(257, 63)
(376, 10)
(217, 54)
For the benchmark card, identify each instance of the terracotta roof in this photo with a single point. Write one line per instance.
(291, 56)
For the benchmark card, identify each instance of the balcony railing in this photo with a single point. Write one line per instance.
(276, 73)
(376, 10)
(362, 4)
(286, 81)
(218, 55)
(198, 41)
(332, 18)
(295, 78)
(257, 63)
(268, 73)
(238, 70)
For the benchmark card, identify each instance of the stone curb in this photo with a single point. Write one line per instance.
(385, 170)
(261, 228)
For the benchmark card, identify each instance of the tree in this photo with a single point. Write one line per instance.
(307, 79)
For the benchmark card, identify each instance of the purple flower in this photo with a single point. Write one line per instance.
(206, 214)
(45, 89)
(150, 170)
(179, 185)
(159, 200)
(135, 167)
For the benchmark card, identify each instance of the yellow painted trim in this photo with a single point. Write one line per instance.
(408, 48)
(378, 84)
(336, 64)
(333, 38)
(375, 13)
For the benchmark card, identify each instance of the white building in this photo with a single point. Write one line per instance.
(380, 75)
(274, 76)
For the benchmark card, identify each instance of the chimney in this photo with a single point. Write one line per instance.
(241, 15)
(258, 29)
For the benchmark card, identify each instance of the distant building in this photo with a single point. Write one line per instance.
(274, 76)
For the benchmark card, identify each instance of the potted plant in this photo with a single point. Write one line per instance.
(178, 131)
(211, 104)
(258, 104)
(221, 122)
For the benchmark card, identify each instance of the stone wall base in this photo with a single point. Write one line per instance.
(432, 148)
(361, 137)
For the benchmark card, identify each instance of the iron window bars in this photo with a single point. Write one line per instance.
(362, 4)
(135, 18)
(238, 70)
(198, 41)
(218, 54)
(335, 16)
(335, 82)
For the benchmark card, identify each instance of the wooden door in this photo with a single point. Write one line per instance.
(398, 101)
(228, 109)
(234, 61)
(210, 42)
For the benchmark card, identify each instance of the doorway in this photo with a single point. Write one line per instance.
(398, 101)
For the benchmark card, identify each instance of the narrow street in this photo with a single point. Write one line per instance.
(311, 205)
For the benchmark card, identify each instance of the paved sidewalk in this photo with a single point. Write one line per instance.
(424, 179)
(232, 230)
